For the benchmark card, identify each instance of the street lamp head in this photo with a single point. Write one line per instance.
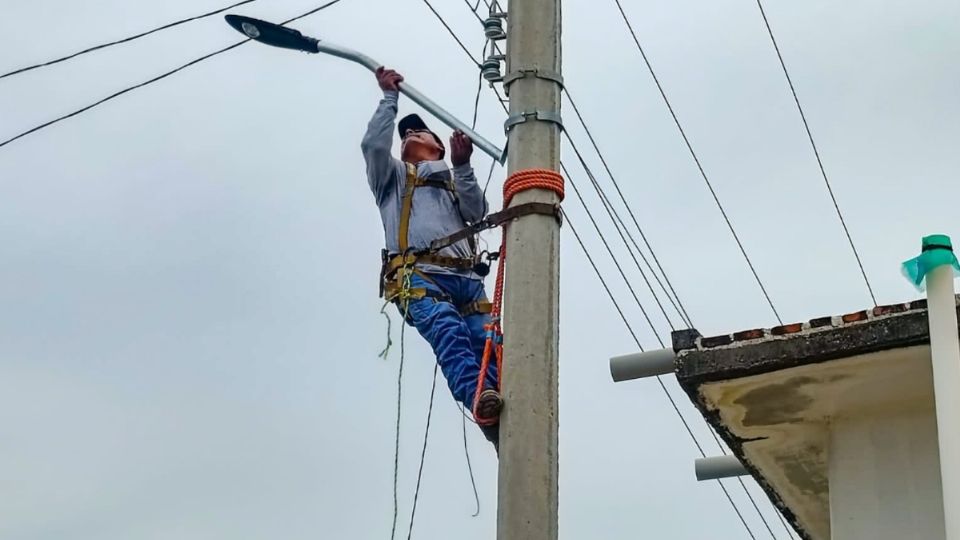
(272, 34)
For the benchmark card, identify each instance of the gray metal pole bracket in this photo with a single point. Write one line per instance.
(545, 74)
(543, 116)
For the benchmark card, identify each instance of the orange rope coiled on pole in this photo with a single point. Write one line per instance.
(532, 179)
(517, 182)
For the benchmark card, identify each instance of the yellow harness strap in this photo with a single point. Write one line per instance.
(396, 269)
(406, 206)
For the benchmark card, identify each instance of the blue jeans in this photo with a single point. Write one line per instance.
(457, 341)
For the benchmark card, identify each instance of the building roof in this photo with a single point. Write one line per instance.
(770, 393)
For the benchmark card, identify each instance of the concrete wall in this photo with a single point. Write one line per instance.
(885, 477)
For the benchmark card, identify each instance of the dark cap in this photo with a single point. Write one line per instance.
(411, 121)
(414, 122)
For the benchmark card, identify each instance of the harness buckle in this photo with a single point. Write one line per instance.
(384, 261)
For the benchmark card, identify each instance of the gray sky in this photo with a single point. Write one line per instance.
(189, 339)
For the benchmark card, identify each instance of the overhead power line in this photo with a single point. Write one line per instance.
(613, 215)
(155, 79)
(606, 287)
(120, 93)
(451, 32)
(615, 218)
(656, 333)
(607, 205)
(671, 294)
(618, 221)
(696, 160)
(124, 40)
(606, 244)
(610, 294)
(816, 153)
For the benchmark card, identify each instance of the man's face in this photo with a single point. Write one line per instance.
(420, 141)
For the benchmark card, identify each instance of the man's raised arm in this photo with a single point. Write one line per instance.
(379, 137)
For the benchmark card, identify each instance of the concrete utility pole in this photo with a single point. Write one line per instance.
(528, 501)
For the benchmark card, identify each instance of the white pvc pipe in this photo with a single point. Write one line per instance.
(717, 467)
(945, 356)
(641, 365)
(451, 121)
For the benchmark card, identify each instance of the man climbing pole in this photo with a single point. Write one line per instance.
(439, 292)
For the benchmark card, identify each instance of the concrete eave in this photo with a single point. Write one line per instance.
(771, 394)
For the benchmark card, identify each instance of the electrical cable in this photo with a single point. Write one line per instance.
(614, 216)
(451, 32)
(677, 305)
(124, 40)
(672, 401)
(816, 153)
(155, 79)
(663, 386)
(699, 165)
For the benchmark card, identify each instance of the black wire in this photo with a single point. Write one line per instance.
(755, 507)
(125, 40)
(569, 223)
(451, 32)
(677, 305)
(466, 452)
(609, 250)
(466, 447)
(785, 526)
(423, 453)
(653, 329)
(613, 299)
(311, 12)
(816, 153)
(476, 100)
(673, 402)
(608, 206)
(696, 160)
(476, 6)
(493, 165)
(153, 80)
(614, 217)
(120, 93)
(609, 293)
(583, 247)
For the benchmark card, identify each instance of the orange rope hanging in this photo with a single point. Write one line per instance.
(517, 182)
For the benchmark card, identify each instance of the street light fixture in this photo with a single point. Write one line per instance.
(288, 38)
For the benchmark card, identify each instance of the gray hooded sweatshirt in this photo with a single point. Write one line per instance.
(433, 214)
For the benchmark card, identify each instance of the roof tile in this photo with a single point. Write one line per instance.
(855, 317)
(786, 329)
(746, 335)
(888, 310)
(820, 322)
(715, 341)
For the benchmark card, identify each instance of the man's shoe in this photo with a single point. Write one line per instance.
(488, 408)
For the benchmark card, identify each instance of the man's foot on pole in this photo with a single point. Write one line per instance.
(489, 405)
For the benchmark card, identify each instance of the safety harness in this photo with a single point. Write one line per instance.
(399, 267)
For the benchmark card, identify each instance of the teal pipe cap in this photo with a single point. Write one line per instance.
(936, 251)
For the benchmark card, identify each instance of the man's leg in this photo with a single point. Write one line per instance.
(472, 291)
(478, 340)
(441, 325)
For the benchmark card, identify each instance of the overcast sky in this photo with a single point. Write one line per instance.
(190, 322)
